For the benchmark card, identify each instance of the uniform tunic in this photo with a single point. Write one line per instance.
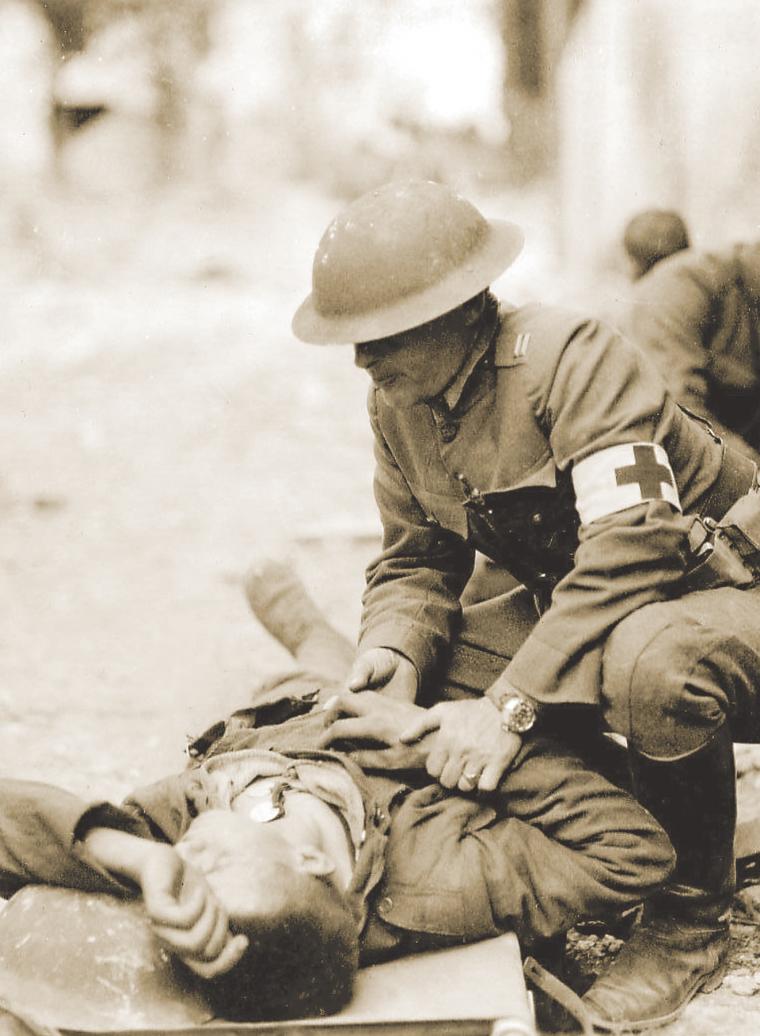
(557, 842)
(552, 390)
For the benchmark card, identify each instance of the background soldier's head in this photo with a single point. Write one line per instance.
(651, 236)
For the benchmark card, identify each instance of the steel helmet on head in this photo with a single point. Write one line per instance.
(398, 257)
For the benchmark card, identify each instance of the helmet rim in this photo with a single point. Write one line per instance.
(494, 254)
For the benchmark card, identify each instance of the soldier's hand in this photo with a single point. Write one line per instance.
(185, 914)
(469, 748)
(367, 716)
(387, 671)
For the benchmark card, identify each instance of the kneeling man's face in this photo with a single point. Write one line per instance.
(417, 365)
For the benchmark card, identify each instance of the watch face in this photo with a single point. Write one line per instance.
(518, 715)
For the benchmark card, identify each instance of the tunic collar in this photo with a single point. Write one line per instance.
(452, 395)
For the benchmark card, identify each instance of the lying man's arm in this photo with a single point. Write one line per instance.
(49, 836)
(182, 909)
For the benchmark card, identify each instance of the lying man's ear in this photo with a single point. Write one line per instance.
(311, 860)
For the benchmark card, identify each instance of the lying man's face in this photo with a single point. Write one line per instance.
(249, 866)
(279, 892)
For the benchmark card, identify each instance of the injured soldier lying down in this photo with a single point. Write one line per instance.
(275, 864)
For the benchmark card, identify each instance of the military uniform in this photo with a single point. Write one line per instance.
(491, 467)
(557, 452)
(697, 315)
(431, 867)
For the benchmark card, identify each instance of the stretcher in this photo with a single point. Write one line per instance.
(74, 962)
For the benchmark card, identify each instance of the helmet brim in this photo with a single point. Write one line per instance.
(499, 249)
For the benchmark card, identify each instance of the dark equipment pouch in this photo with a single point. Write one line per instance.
(532, 531)
(727, 553)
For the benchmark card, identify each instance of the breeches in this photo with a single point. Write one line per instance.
(673, 672)
(676, 671)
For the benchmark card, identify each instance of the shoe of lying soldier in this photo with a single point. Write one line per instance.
(664, 964)
(281, 603)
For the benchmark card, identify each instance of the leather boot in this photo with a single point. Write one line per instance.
(681, 945)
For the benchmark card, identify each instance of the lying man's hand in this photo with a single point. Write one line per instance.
(185, 914)
(469, 750)
(386, 671)
(182, 909)
(370, 716)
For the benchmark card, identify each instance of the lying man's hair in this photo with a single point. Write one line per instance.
(301, 959)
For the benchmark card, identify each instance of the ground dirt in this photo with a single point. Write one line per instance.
(159, 430)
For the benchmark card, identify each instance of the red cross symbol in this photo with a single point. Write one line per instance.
(646, 472)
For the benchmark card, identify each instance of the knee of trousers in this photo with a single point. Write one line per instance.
(662, 682)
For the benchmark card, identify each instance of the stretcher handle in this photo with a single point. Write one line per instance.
(559, 992)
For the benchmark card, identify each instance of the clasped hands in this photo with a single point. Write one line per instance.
(459, 743)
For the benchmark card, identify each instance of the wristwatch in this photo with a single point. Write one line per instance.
(518, 715)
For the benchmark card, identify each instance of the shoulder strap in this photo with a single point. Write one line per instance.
(535, 331)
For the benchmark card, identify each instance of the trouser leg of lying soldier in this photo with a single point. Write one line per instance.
(681, 683)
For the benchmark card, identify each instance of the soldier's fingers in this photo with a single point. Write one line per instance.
(226, 961)
(380, 759)
(340, 729)
(451, 772)
(360, 674)
(428, 721)
(352, 704)
(492, 774)
(372, 669)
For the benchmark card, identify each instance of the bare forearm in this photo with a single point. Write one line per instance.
(118, 852)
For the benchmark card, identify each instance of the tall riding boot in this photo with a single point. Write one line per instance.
(682, 943)
(280, 602)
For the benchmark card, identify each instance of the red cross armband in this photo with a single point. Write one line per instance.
(621, 477)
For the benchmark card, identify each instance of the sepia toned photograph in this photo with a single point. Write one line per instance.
(379, 517)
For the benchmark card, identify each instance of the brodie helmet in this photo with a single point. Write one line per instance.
(398, 257)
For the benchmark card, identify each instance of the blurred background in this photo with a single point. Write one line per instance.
(166, 171)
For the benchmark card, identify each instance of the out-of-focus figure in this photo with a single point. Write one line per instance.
(697, 314)
(651, 236)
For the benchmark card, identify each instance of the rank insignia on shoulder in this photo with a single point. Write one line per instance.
(622, 476)
(521, 344)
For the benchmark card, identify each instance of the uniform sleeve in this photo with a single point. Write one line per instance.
(601, 392)
(40, 827)
(411, 599)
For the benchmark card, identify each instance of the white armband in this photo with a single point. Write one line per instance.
(623, 476)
